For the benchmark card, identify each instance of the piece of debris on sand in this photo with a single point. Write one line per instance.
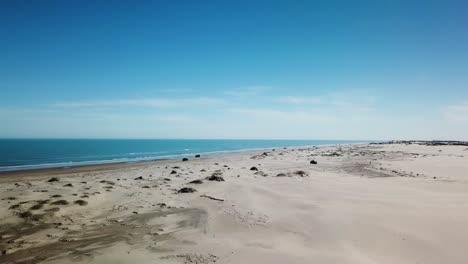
(196, 182)
(332, 154)
(59, 202)
(212, 198)
(113, 183)
(187, 190)
(299, 173)
(261, 173)
(80, 202)
(215, 178)
(261, 156)
(194, 258)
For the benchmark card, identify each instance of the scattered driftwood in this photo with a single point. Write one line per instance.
(212, 198)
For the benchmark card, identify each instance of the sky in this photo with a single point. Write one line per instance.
(375, 70)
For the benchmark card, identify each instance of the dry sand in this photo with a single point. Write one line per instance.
(360, 204)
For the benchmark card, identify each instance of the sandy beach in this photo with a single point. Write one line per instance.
(363, 203)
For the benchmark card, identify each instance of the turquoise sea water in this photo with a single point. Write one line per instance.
(20, 154)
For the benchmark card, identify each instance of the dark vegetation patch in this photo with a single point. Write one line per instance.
(187, 190)
(59, 202)
(80, 202)
(196, 182)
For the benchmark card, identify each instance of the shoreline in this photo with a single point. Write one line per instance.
(98, 164)
(121, 164)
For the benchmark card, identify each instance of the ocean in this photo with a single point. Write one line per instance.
(21, 154)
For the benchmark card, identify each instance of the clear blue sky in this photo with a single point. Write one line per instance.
(234, 69)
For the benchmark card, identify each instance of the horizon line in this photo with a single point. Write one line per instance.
(98, 138)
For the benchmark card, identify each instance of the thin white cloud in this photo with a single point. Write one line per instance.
(149, 102)
(281, 116)
(336, 99)
(248, 91)
(102, 118)
(300, 100)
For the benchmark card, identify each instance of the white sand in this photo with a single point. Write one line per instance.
(371, 204)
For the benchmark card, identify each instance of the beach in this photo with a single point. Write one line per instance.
(354, 203)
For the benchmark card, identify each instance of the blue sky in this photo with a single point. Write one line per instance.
(234, 69)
